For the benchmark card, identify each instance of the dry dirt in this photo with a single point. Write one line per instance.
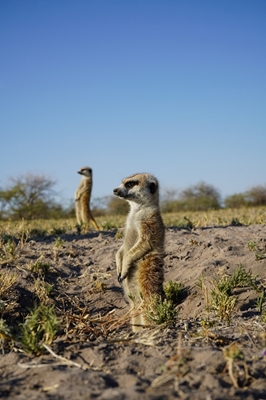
(102, 359)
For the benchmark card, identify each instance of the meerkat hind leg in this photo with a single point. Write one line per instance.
(78, 214)
(96, 226)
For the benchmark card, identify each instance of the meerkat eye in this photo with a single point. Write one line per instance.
(131, 184)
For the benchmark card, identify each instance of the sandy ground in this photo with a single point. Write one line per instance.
(102, 359)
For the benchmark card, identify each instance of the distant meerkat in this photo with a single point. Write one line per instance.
(140, 259)
(82, 198)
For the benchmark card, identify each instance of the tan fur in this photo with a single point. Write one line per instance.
(82, 199)
(139, 261)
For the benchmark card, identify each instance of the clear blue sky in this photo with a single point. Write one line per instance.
(176, 88)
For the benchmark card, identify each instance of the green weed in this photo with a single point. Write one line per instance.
(7, 280)
(222, 300)
(107, 225)
(173, 292)
(38, 232)
(242, 278)
(58, 242)
(161, 312)
(43, 290)
(57, 231)
(41, 268)
(222, 303)
(5, 334)
(40, 327)
(252, 245)
(8, 250)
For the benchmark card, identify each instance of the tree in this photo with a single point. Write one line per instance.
(235, 201)
(117, 206)
(30, 196)
(200, 197)
(168, 202)
(256, 196)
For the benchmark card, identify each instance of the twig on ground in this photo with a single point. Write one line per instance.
(63, 361)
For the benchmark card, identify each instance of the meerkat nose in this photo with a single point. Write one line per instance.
(115, 190)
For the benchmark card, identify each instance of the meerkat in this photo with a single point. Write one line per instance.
(140, 259)
(82, 198)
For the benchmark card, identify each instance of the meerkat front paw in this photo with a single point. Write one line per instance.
(124, 271)
(122, 277)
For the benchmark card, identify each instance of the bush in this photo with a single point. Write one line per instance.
(200, 197)
(235, 201)
(116, 206)
(256, 196)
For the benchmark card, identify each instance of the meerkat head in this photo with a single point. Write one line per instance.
(139, 188)
(85, 171)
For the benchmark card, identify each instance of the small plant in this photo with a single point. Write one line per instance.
(43, 290)
(99, 287)
(222, 303)
(8, 250)
(193, 242)
(5, 334)
(57, 231)
(259, 303)
(59, 242)
(234, 356)
(252, 245)
(7, 280)
(173, 291)
(165, 311)
(263, 316)
(161, 312)
(243, 278)
(119, 234)
(38, 232)
(235, 222)
(259, 255)
(107, 225)
(205, 291)
(188, 224)
(41, 268)
(79, 229)
(40, 327)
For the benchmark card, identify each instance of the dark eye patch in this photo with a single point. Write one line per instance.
(131, 184)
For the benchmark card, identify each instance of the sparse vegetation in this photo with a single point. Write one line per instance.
(32, 197)
(69, 276)
(221, 298)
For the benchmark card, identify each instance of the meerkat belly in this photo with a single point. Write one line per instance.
(131, 238)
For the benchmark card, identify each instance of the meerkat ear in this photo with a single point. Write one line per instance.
(153, 187)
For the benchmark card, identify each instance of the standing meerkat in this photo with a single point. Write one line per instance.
(82, 198)
(140, 259)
